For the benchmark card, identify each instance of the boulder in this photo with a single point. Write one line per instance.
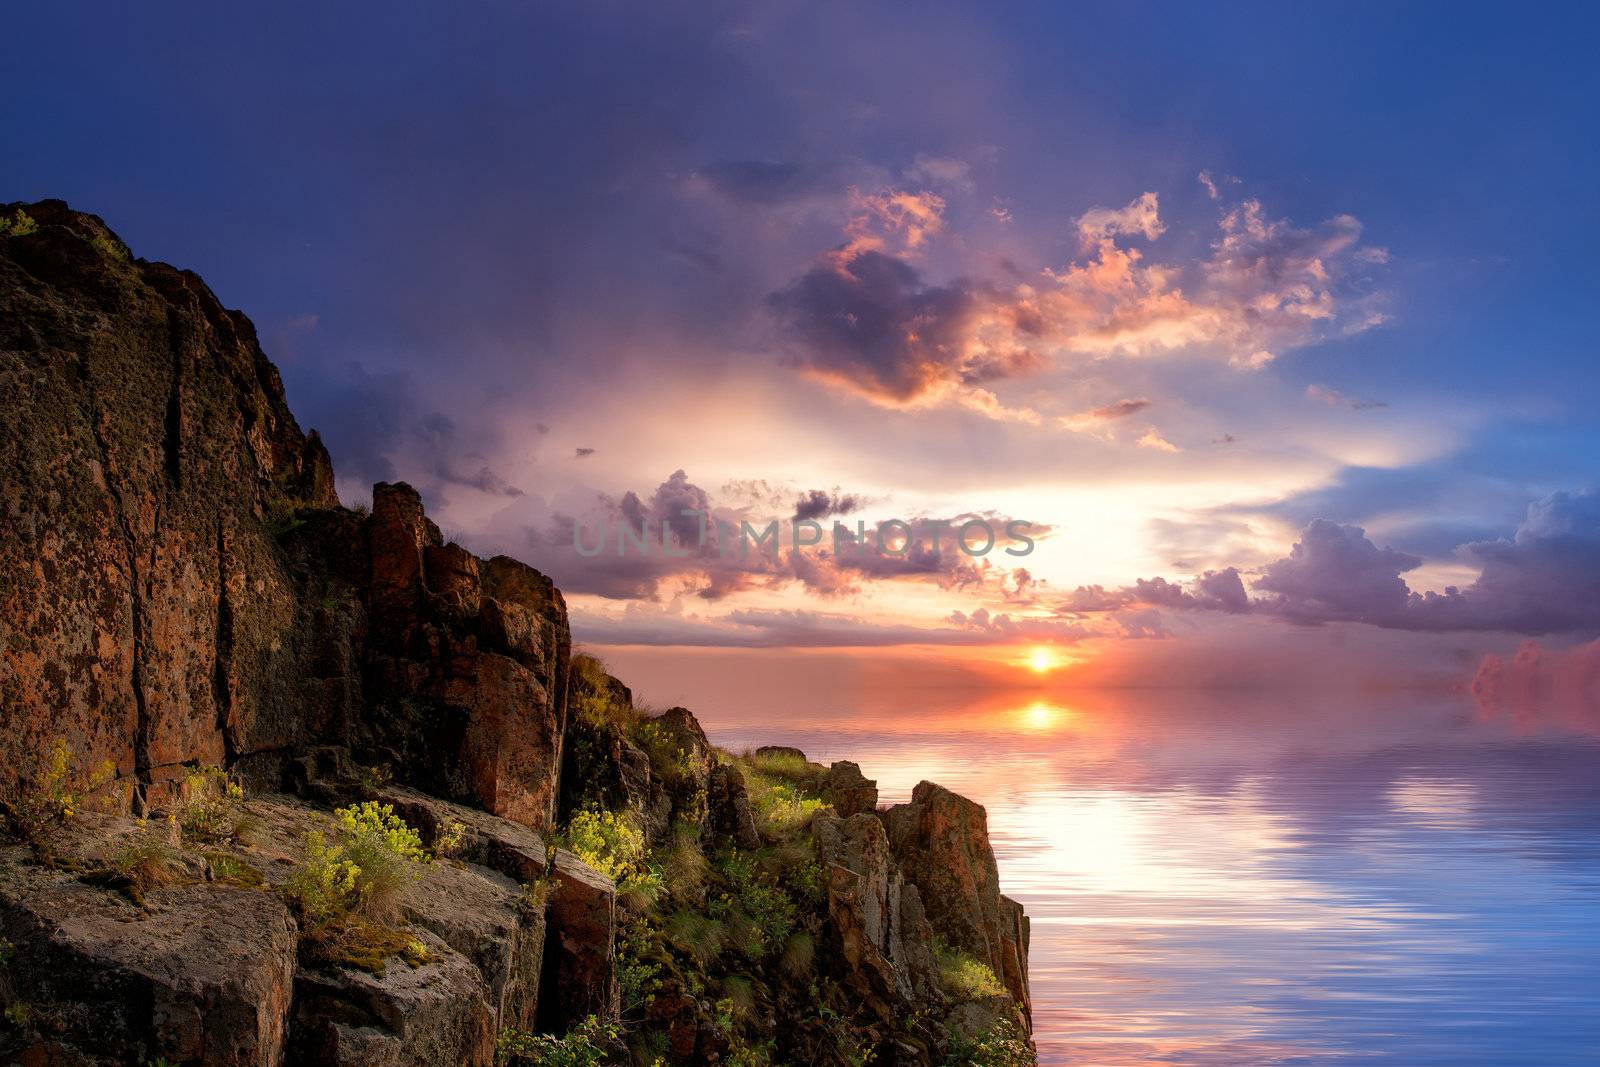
(422, 1016)
(203, 973)
(728, 811)
(848, 791)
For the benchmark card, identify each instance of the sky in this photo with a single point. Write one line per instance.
(1275, 325)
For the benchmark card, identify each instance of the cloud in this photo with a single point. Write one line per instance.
(869, 323)
(819, 504)
(1544, 579)
(764, 182)
(1334, 398)
(707, 552)
(1095, 417)
(1152, 439)
(377, 427)
(913, 218)
(1142, 217)
(942, 172)
(1335, 573)
(863, 319)
(582, 453)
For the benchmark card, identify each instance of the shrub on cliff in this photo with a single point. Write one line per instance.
(964, 977)
(589, 1044)
(56, 793)
(340, 885)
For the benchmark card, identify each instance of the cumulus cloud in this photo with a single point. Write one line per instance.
(1544, 579)
(865, 320)
(1335, 573)
(870, 324)
(1142, 217)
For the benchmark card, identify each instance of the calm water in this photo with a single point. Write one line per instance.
(1236, 880)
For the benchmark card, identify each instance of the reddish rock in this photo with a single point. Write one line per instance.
(452, 582)
(940, 841)
(728, 808)
(148, 460)
(848, 791)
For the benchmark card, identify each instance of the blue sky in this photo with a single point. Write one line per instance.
(482, 238)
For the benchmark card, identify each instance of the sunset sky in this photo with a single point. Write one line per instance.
(1283, 329)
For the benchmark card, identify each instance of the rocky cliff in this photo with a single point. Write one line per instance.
(286, 782)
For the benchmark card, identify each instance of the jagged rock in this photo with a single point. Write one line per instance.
(728, 807)
(407, 1017)
(848, 791)
(202, 975)
(855, 854)
(452, 582)
(940, 840)
(449, 710)
(577, 928)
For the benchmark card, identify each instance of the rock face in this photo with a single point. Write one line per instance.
(145, 611)
(180, 588)
(941, 842)
(466, 666)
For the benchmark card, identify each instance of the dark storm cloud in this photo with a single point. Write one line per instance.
(867, 321)
(820, 504)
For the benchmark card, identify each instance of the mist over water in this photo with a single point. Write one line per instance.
(1235, 879)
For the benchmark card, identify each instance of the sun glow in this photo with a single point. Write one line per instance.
(1042, 660)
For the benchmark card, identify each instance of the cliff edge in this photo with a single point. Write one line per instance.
(287, 782)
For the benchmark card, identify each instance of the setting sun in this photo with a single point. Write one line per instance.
(1042, 660)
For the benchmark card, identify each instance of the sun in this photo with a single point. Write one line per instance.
(1042, 660)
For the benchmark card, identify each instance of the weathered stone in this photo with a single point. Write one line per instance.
(452, 582)
(409, 1017)
(580, 963)
(397, 532)
(862, 901)
(511, 748)
(728, 807)
(146, 615)
(848, 791)
(941, 842)
(513, 630)
(203, 975)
